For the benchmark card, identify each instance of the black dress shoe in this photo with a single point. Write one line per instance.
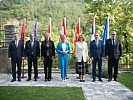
(83, 80)
(100, 80)
(67, 77)
(93, 80)
(115, 80)
(13, 80)
(19, 80)
(35, 79)
(109, 80)
(28, 79)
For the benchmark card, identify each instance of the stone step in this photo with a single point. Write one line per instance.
(54, 70)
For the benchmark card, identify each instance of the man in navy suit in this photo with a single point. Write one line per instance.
(16, 54)
(113, 52)
(32, 53)
(96, 54)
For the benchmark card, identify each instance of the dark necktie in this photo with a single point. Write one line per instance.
(113, 41)
(97, 43)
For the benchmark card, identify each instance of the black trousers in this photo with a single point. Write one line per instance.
(47, 67)
(34, 61)
(113, 63)
(14, 62)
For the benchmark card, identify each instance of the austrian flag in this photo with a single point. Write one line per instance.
(63, 28)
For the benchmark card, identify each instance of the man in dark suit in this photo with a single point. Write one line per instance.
(47, 53)
(96, 54)
(16, 54)
(113, 52)
(32, 53)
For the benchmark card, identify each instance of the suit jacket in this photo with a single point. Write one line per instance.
(81, 51)
(29, 49)
(113, 52)
(14, 51)
(59, 49)
(44, 49)
(96, 51)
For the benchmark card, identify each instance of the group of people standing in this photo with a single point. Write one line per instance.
(31, 52)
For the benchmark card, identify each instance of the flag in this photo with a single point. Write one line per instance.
(63, 28)
(49, 26)
(35, 29)
(23, 32)
(77, 30)
(77, 33)
(93, 28)
(106, 31)
(105, 34)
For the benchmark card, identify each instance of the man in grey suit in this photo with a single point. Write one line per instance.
(96, 54)
(113, 52)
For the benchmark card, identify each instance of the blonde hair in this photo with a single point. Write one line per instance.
(81, 36)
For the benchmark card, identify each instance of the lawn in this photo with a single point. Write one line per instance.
(126, 79)
(40, 93)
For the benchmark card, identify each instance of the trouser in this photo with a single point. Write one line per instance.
(34, 61)
(63, 65)
(47, 67)
(113, 63)
(16, 61)
(94, 62)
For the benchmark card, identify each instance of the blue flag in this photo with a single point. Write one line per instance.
(105, 34)
(35, 29)
(106, 31)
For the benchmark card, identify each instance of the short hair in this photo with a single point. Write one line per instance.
(47, 34)
(81, 36)
(96, 34)
(15, 32)
(113, 32)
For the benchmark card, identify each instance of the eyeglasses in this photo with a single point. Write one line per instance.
(80, 37)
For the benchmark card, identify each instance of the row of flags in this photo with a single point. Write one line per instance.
(63, 29)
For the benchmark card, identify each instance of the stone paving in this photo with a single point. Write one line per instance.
(92, 90)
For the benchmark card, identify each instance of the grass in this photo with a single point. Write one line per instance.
(126, 79)
(40, 93)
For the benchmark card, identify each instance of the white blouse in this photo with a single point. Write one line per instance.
(64, 46)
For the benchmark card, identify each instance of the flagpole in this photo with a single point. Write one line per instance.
(23, 32)
(50, 24)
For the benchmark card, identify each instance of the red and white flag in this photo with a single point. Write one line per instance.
(63, 28)
(23, 32)
(49, 26)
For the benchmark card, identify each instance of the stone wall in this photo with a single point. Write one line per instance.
(5, 65)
